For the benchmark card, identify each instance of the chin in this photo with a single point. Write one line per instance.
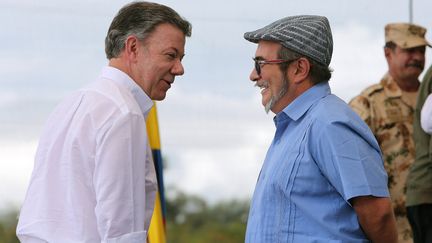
(159, 97)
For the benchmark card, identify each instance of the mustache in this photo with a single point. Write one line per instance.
(261, 84)
(416, 64)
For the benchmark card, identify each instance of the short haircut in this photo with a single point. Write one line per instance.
(140, 19)
(391, 45)
(318, 72)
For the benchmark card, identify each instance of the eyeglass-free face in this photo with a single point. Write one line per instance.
(260, 62)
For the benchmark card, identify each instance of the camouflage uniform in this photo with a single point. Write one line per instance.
(389, 113)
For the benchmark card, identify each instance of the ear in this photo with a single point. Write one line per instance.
(131, 48)
(387, 53)
(301, 70)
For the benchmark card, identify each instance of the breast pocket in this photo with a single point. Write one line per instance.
(286, 169)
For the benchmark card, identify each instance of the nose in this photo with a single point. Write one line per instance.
(419, 55)
(254, 75)
(177, 69)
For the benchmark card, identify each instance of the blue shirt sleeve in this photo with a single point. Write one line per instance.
(349, 159)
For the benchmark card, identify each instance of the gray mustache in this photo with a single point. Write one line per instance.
(416, 64)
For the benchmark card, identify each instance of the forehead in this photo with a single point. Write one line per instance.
(410, 50)
(166, 36)
(267, 49)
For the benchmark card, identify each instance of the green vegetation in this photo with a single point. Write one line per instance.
(190, 219)
(8, 221)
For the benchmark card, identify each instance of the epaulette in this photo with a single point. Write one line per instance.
(371, 90)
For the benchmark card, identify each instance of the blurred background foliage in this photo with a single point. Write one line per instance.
(8, 221)
(190, 219)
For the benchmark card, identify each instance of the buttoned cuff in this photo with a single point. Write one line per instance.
(135, 237)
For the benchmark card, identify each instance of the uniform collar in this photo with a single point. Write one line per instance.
(391, 88)
(121, 78)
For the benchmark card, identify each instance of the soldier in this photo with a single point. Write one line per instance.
(419, 182)
(388, 109)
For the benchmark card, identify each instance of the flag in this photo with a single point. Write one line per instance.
(157, 224)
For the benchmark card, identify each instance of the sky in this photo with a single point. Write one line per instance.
(214, 131)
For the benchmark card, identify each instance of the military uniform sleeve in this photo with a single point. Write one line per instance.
(361, 105)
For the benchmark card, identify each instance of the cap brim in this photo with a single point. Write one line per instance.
(412, 43)
(259, 35)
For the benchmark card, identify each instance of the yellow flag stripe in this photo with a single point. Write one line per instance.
(153, 129)
(156, 232)
(157, 229)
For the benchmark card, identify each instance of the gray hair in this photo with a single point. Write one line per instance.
(318, 72)
(140, 19)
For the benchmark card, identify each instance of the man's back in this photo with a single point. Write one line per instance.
(75, 177)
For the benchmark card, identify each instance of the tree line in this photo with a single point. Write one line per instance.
(190, 219)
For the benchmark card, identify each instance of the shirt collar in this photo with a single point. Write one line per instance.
(301, 104)
(121, 78)
(391, 88)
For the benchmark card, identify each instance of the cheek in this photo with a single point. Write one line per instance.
(159, 90)
(276, 86)
(160, 84)
(267, 93)
(266, 97)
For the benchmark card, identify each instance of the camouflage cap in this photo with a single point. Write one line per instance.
(406, 35)
(309, 35)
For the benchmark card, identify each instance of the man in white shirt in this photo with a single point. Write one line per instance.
(426, 109)
(93, 178)
(419, 183)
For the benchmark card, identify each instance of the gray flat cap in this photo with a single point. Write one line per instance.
(308, 35)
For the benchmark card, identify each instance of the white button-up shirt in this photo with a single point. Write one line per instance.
(426, 115)
(93, 178)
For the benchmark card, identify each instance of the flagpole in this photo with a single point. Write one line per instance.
(411, 11)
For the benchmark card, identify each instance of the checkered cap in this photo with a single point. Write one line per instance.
(308, 35)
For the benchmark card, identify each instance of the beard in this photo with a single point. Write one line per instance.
(275, 98)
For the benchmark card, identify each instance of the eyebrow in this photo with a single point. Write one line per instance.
(177, 51)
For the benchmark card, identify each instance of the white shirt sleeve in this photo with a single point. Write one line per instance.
(426, 115)
(136, 237)
(119, 180)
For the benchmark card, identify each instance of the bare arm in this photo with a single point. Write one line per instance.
(376, 218)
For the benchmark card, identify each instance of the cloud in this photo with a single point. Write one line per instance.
(358, 59)
(215, 143)
(218, 174)
(15, 170)
(213, 128)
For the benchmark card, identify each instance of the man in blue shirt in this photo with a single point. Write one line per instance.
(323, 178)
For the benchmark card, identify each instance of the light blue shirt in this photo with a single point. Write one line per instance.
(322, 155)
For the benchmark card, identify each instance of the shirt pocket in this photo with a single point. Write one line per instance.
(286, 168)
(287, 163)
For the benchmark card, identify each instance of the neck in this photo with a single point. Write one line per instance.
(294, 91)
(119, 64)
(408, 85)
